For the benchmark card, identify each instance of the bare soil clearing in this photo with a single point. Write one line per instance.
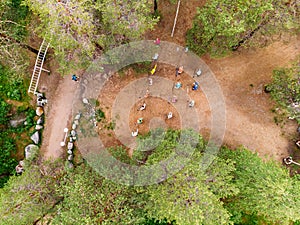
(241, 76)
(249, 118)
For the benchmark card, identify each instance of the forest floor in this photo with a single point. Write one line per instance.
(242, 75)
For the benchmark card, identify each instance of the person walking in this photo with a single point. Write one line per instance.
(75, 78)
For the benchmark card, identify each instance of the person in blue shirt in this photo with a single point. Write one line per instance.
(74, 77)
(195, 86)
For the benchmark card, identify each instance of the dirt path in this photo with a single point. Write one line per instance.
(249, 118)
(59, 92)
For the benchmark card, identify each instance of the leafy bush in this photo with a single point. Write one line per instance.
(221, 26)
(120, 154)
(10, 86)
(285, 91)
(99, 115)
(17, 13)
(7, 164)
(4, 109)
(13, 89)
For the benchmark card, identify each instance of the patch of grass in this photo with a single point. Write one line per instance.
(100, 115)
(111, 125)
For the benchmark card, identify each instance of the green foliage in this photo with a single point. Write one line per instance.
(110, 126)
(7, 163)
(238, 187)
(26, 198)
(221, 26)
(4, 110)
(173, 1)
(157, 222)
(10, 86)
(90, 199)
(16, 16)
(14, 90)
(30, 114)
(7, 145)
(285, 91)
(188, 196)
(157, 145)
(265, 189)
(120, 154)
(13, 24)
(78, 36)
(99, 114)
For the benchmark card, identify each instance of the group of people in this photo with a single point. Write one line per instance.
(178, 71)
(140, 120)
(41, 99)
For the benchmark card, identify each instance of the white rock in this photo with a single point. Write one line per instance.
(69, 152)
(76, 122)
(73, 133)
(77, 117)
(38, 127)
(31, 151)
(74, 126)
(85, 101)
(35, 137)
(17, 122)
(70, 145)
(70, 157)
(39, 121)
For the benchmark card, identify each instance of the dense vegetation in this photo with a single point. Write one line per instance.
(13, 32)
(10, 137)
(79, 31)
(239, 187)
(223, 25)
(285, 90)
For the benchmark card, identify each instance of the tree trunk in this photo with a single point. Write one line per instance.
(155, 5)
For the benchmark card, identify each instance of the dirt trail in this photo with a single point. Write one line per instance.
(167, 11)
(249, 118)
(58, 113)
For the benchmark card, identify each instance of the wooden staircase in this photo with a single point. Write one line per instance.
(38, 67)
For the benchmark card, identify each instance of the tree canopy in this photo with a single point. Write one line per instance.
(222, 25)
(265, 189)
(237, 187)
(79, 30)
(13, 30)
(285, 91)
